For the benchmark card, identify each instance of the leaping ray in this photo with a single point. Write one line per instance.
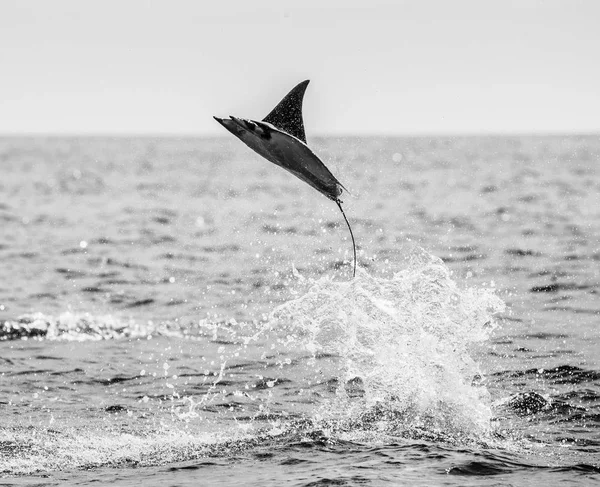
(280, 138)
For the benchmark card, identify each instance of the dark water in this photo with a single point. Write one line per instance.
(180, 312)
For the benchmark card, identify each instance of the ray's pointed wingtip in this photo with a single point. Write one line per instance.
(302, 85)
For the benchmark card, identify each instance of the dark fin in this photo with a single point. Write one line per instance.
(339, 203)
(287, 115)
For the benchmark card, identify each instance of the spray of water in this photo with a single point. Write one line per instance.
(404, 347)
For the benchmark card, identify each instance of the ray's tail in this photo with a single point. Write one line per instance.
(339, 203)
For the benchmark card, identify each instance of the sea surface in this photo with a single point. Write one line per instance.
(178, 311)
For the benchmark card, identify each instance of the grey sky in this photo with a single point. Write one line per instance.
(394, 67)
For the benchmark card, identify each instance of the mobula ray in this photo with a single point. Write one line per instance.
(280, 138)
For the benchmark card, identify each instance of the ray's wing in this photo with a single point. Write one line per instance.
(287, 115)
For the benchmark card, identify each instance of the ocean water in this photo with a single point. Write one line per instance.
(182, 312)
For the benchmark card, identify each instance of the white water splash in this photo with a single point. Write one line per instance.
(404, 341)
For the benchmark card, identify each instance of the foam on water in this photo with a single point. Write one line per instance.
(35, 451)
(71, 326)
(80, 327)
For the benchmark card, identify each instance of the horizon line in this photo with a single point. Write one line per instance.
(211, 135)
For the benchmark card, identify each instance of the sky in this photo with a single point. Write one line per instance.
(414, 67)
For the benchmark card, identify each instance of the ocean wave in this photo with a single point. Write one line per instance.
(81, 327)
